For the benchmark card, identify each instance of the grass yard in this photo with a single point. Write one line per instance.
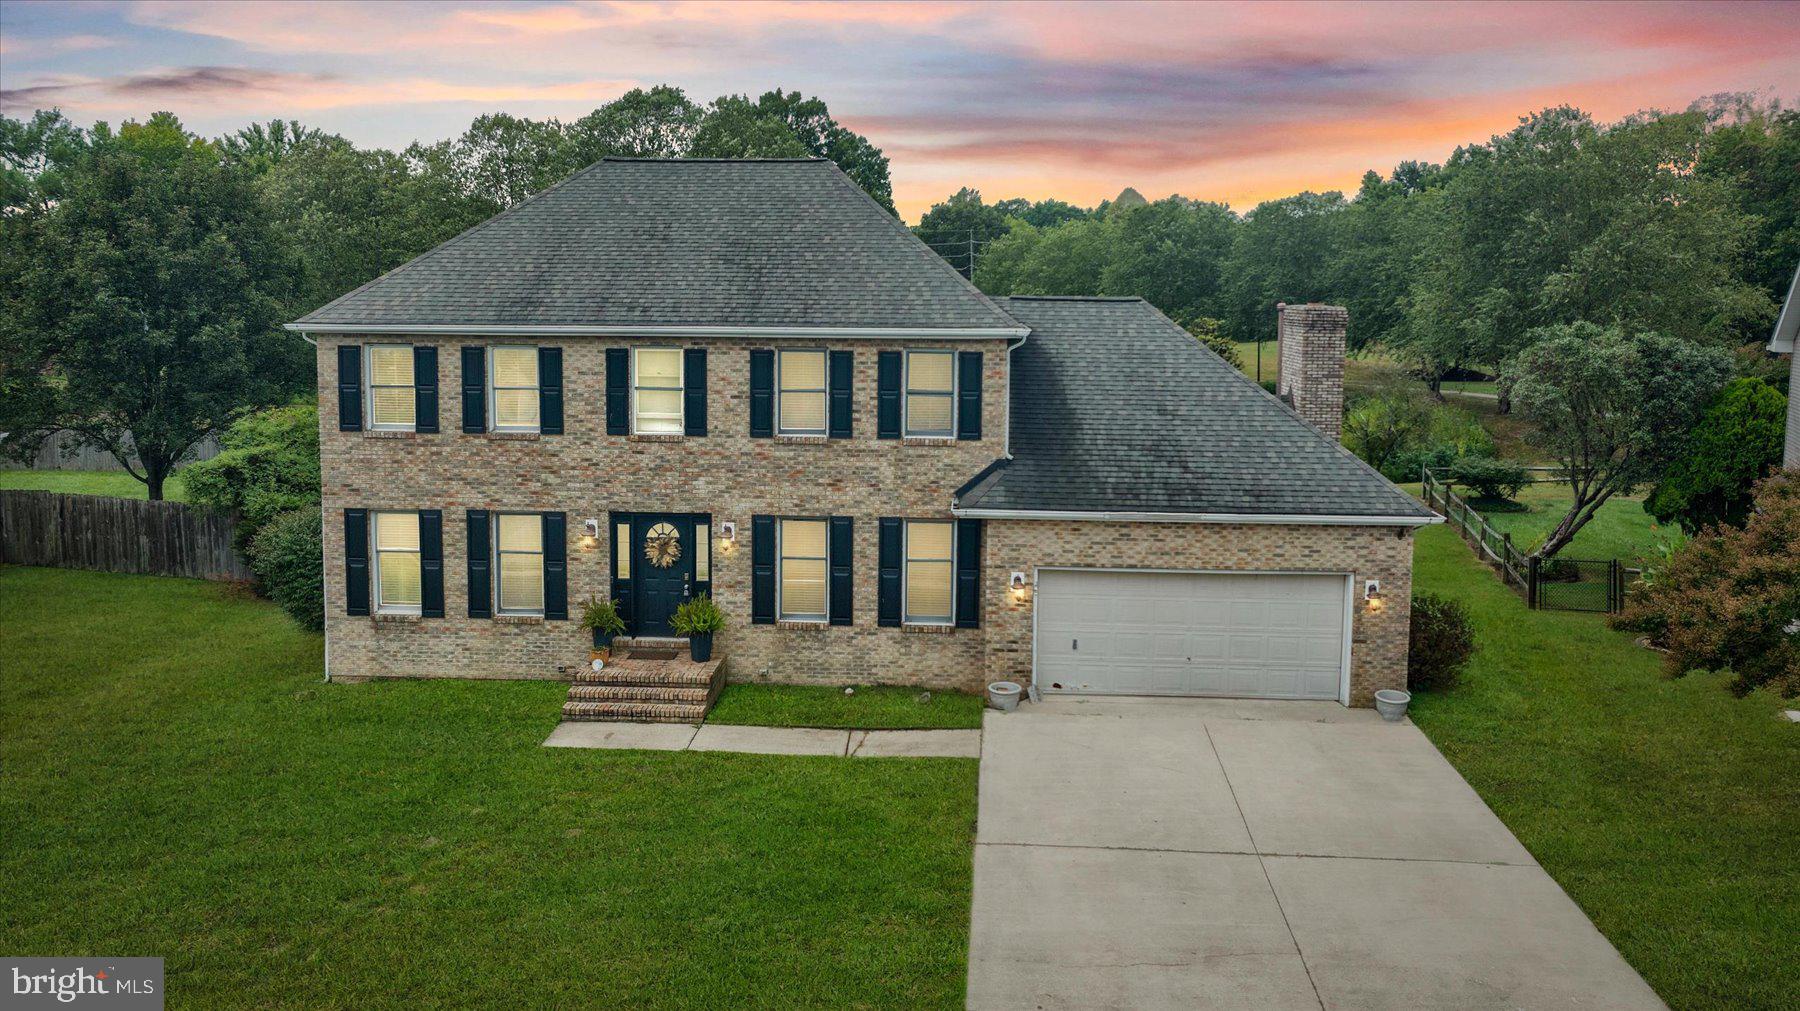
(176, 781)
(1271, 359)
(1667, 808)
(870, 708)
(114, 483)
(1621, 529)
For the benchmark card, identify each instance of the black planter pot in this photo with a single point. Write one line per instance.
(700, 646)
(602, 638)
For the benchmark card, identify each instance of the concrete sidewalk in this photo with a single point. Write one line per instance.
(768, 740)
(1199, 853)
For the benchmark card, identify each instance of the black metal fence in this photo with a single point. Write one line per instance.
(1559, 584)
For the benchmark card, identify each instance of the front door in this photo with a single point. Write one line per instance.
(663, 554)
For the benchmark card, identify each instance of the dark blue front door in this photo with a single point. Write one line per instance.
(662, 550)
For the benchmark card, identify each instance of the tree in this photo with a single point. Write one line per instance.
(1042, 213)
(1376, 250)
(1735, 444)
(1753, 149)
(268, 464)
(1612, 406)
(960, 227)
(1729, 599)
(1380, 428)
(1170, 253)
(1281, 253)
(1066, 260)
(1206, 331)
(788, 125)
(658, 123)
(157, 284)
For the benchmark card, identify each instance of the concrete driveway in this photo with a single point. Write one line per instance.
(1201, 853)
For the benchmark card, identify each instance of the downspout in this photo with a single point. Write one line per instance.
(1006, 434)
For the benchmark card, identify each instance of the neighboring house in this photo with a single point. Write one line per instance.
(662, 378)
(1787, 332)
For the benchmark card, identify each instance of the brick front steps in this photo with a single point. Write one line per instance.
(644, 683)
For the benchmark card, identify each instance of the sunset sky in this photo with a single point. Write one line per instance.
(1231, 102)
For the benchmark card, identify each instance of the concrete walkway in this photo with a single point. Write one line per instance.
(768, 740)
(1198, 853)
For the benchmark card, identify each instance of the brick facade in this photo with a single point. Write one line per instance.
(1312, 343)
(586, 473)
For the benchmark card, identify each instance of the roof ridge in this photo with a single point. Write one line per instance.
(712, 161)
(913, 241)
(1078, 298)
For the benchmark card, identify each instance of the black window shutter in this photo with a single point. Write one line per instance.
(887, 609)
(431, 563)
(762, 570)
(556, 567)
(693, 372)
(968, 573)
(762, 394)
(474, 389)
(887, 395)
(350, 389)
(618, 391)
(968, 394)
(550, 391)
(843, 366)
(481, 582)
(356, 561)
(842, 552)
(425, 389)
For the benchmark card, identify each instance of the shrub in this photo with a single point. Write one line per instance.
(1729, 599)
(1736, 443)
(268, 465)
(286, 557)
(1206, 331)
(1380, 428)
(1442, 641)
(1459, 431)
(1408, 465)
(697, 616)
(602, 615)
(1489, 478)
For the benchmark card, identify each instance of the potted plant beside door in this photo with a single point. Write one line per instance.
(602, 617)
(698, 619)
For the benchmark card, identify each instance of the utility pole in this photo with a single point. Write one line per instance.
(971, 256)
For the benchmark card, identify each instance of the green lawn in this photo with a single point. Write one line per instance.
(115, 483)
(1621, 529)
(1667, 808)
(1271, 359)
(176, 781)
(884, 708)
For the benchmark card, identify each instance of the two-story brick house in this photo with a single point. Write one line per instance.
(663, 378)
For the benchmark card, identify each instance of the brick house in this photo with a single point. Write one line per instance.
(662, 378)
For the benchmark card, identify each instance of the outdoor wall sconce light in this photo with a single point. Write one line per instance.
(1372, 594)
(727, 535)
(590, 537)
(1018, 586)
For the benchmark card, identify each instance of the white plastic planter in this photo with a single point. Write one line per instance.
(1004, 695)
(1391, 704)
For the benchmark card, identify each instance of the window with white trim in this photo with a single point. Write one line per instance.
(930, 576)
(800, 570)
(513, 388)
(398, 589)
(392, 401)
(656, 377)
(519, 563)
(800, 392)
(930, 394)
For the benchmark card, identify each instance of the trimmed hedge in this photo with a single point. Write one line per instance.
(1442, 641)
(287, 556)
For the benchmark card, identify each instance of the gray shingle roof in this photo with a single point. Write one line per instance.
(625, 242)
(1117, 409)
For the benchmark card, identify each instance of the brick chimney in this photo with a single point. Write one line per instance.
(1311, 344)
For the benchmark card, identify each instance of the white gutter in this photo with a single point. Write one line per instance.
(1146, 517)
(595, 330)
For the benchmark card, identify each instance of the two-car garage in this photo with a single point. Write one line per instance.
(1146, 632)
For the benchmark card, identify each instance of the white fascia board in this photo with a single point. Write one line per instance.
(590, 330)
(1787, 328)
(1256, 518)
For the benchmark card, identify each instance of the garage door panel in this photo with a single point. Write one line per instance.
(1264, 635)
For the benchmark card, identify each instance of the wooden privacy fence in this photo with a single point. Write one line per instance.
(118, 535)
(1561, 584)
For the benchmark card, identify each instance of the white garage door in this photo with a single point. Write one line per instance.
(1174, 633)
